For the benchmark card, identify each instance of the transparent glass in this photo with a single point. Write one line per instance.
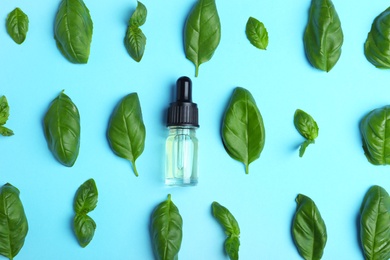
(181, 168)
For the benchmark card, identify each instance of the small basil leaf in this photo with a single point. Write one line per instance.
(323, 36)
(377, 45)
(256, 33)
(17, 25)
(4, 131)
(73, 30)
(84, 227)
(307, 127)
(375, 129)
(126, 130)
(232, 245)
(13, 222)
(62, 129)
(226, 219)
(138, 18)
(135, 42)
(86, 197)
(166, 230)
(202, 33)
(375, 224)
(308, 229)
(243, 132)
(4, 110)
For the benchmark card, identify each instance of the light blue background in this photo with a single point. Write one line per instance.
(334, 172)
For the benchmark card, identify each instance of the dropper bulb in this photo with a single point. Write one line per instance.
(184, 89)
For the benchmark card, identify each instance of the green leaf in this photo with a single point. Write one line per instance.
(84, 227)
(135, 42)
(17, 25)
(73, 30)
(377, 45)
(307, 127)
(232, 245)
(226, 219)
(256, 33)
(138, 18)
(243, 132)
(375, 224)
(86, 197)
(231, 228)
(375, 132)
(323, 36)
(4, 110)
(202, 33)
(62, 129)
(4, 131)
(308, 229)
(166, 230)
(126, 130)
(13, 222)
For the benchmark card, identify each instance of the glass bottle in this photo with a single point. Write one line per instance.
(181, 147)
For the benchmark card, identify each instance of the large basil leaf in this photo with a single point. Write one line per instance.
(84, 227)
(4, 114)
(231, 228)
(375, 224)
(323, 36)
(17, 25)
(307, 127)
(73, 30)
(256, 33)
(375, 132)
(166, 230)
(138, 18)
(308, 229)
(126, 130)
(243, 132)
(202, 33)
(86, 197)
(13, 222)
(377, 45)
(135, 42)
(62, 129)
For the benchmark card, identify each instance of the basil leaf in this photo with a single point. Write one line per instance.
(226, 219)
(378, 41)
(323, 36)
(231, 228)
(86, 197)
(17, 25)
(135, 42)
(256, 33)
(166, 230)
(375, 224)
(4, 114)
(243, 132)
(84, 227)
(73, 30)
(62, 129)
(4, 131)
(374, 129)
(13, 222)
(308, 229)
(138, 18)
(202, 33)
(232, 245)
(126, 130)
(307, 127)
(4, 110)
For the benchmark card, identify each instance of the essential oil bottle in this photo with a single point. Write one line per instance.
(181, 167)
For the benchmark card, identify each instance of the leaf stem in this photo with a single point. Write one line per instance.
(134, 168)
(196, 70)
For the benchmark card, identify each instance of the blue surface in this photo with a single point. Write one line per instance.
(334, 172)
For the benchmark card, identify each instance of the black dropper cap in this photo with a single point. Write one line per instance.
(183, 112)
